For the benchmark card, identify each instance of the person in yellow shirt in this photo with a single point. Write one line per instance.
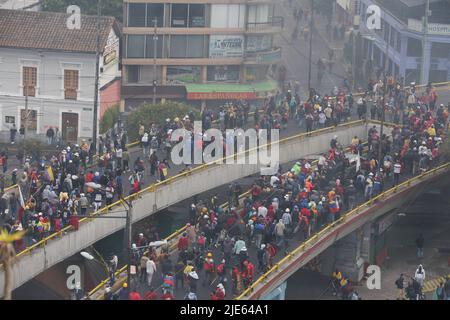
(336, 279)
(432, 131)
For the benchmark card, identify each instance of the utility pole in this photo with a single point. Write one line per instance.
(353, 60)
(311, 25)
(155, 43)
(423, 76)
(26, 111)
(383, 114)
(97, 71)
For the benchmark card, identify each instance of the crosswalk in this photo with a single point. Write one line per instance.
(431, 285)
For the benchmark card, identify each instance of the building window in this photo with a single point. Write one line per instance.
(149, 73)
(155, 11)
(32, 119)
(29, 81)
(258, 43)
(440, 50)
(179, 15)
(223, 73)
(183, 74)
(258, 13)
(394, 34)
(414, 48)
(196, 15)
(399, 43)
(71, 84)
(135, 46)
(132, 74)
(187, 46)
(227, 16)
(188, 15)
(150, 46)
(9, 119)
(136, 14)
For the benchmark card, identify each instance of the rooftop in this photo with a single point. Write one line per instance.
(49, 31)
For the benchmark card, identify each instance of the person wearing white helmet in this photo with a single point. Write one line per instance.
(287, 219)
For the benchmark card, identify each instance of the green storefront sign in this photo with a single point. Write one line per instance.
(269, 57)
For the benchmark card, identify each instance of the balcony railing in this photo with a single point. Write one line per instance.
(273, 22)
(268, 56)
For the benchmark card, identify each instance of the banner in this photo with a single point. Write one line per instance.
(22, 203)
(221, 95)
(226, 46)
(358, 162)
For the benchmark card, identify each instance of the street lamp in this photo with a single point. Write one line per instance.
(127, 241)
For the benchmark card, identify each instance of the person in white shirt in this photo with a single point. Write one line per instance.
(275, 204)
(397, 171)
(419, 276)
(274, 180)
(262, 211)
(151, 269)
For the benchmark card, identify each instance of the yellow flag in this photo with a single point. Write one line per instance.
(50, 173)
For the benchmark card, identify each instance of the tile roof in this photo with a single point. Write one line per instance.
(48, 31)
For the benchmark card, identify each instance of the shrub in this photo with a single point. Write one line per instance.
(158, 114)
(110, 117)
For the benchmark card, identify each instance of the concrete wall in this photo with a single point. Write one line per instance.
(168, 194)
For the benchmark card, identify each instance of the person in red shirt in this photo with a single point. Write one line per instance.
(135, 295)
(250, 272)
(183, 242)
(219, 294)
(151, 295)
(305, 212)
(89, 176)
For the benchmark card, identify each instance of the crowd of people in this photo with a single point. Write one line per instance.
(227, 248)
(58, 190)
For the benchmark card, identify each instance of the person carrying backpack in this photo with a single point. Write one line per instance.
(400, 287)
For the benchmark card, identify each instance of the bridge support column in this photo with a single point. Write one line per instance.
(346, 256)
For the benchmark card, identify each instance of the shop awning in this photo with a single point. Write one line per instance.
(229, 91)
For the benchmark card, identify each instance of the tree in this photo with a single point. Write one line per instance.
(89, 7)
(158, 114)
(7, 257)
(109, 118)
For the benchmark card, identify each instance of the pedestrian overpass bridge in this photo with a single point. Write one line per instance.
(156, 197)
(59, 246)
(392, 199)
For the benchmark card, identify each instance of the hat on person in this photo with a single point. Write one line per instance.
(141, 234)
(209, 255)
(263, 246)
(125, 285)
(288, 210)
(193, 275)
(107, 289)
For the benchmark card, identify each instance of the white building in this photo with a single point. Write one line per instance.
(400, 40)
(31, 5)
(58, 64)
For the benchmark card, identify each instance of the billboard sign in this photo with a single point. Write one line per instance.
(226, 46)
